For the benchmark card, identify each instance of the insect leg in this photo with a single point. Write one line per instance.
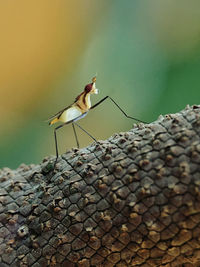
(75, 135)
(85, 131)
(95, 105)
(103, 99)
(60, 126)
(56, 142)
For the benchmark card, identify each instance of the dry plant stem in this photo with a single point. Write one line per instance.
(132, 200)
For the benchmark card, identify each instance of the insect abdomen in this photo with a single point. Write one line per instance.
(70, 114)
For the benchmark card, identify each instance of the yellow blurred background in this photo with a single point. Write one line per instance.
(146, 54)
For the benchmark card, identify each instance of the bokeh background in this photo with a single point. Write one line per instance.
(146, 54)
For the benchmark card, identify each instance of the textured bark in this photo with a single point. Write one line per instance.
(132, 200)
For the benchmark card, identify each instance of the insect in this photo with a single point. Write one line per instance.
(79, 110)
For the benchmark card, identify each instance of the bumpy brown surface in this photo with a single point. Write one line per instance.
(133, 200)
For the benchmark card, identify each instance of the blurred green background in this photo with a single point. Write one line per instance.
(146, 54)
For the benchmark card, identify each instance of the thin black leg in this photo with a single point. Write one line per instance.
(56, 142)
(60, 126)
(124, 112)
(85, 131)
(102, 100)
(75, 135)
